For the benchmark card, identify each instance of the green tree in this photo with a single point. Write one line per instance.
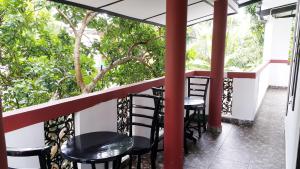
(131, 51)
(34, 58)
(41, 58)
(244, 42)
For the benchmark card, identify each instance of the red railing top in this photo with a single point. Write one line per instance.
(20, 118)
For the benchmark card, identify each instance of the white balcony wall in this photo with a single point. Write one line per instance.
(102, 117)
(262, 84)
(243, 99)
(28, 137)
(248, 95)
(280, 74)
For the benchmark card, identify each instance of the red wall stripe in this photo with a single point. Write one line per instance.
(280, 61)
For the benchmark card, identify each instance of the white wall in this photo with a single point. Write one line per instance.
(243, 99)
(276, 47)
(292, 127)
(277, 38)
(102, 117)
(262, 84)
(248, 95)
(280, 74)
(28, 137)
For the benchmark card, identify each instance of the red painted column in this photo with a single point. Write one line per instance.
(174, 83)
(217, 64)
(3, 156)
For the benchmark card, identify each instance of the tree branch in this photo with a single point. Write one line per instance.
(79, 77)
(141, 43)
(113, 65)
(128, 57)
(86, 20)
(68, 20)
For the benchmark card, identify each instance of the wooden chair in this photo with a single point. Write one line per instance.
(161, 116)
(137, 119)
(42, 153)
(197, 87)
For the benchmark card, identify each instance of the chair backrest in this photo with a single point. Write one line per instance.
(137, 111)
(161, 93)
(42, 153)
(198, 86)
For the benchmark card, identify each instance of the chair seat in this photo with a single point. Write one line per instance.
(141, 145)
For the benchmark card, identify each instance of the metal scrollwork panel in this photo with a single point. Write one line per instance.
(227, 96)
(58, 131)
(122, 115)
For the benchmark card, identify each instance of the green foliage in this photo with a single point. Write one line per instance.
(244, 43)
(36, 52)
(35, 63)
(199, 46)
(119, 38)
(257, 26)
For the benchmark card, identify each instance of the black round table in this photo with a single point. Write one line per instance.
(97, 147)
(192, 102)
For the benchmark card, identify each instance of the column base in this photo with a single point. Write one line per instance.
(214, 130)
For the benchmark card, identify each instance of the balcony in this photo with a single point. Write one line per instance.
(252, 110)
(252, 121)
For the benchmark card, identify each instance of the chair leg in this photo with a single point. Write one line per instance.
(185, 147)
(139, 162)
(94, 166)
(199, 122)
(75, 165)
(153, 164)
(204, 119)
(117, 163)
(153, 157)
(130, 162)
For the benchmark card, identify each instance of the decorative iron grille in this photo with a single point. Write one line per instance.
(227, 96)
(58, 131)
(122, 115)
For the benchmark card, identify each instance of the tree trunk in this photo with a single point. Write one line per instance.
(78, 73)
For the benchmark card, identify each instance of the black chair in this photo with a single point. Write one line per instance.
(160, 93)
(42, 153)
(197, 87)
(143, 145)
(161, 115)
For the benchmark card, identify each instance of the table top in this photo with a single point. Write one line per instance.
(193, 101)
(96, 147)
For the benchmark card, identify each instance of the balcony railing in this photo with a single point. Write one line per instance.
(54, 122)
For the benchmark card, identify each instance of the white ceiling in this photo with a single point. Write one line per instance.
(267, 4)
(150, 11)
